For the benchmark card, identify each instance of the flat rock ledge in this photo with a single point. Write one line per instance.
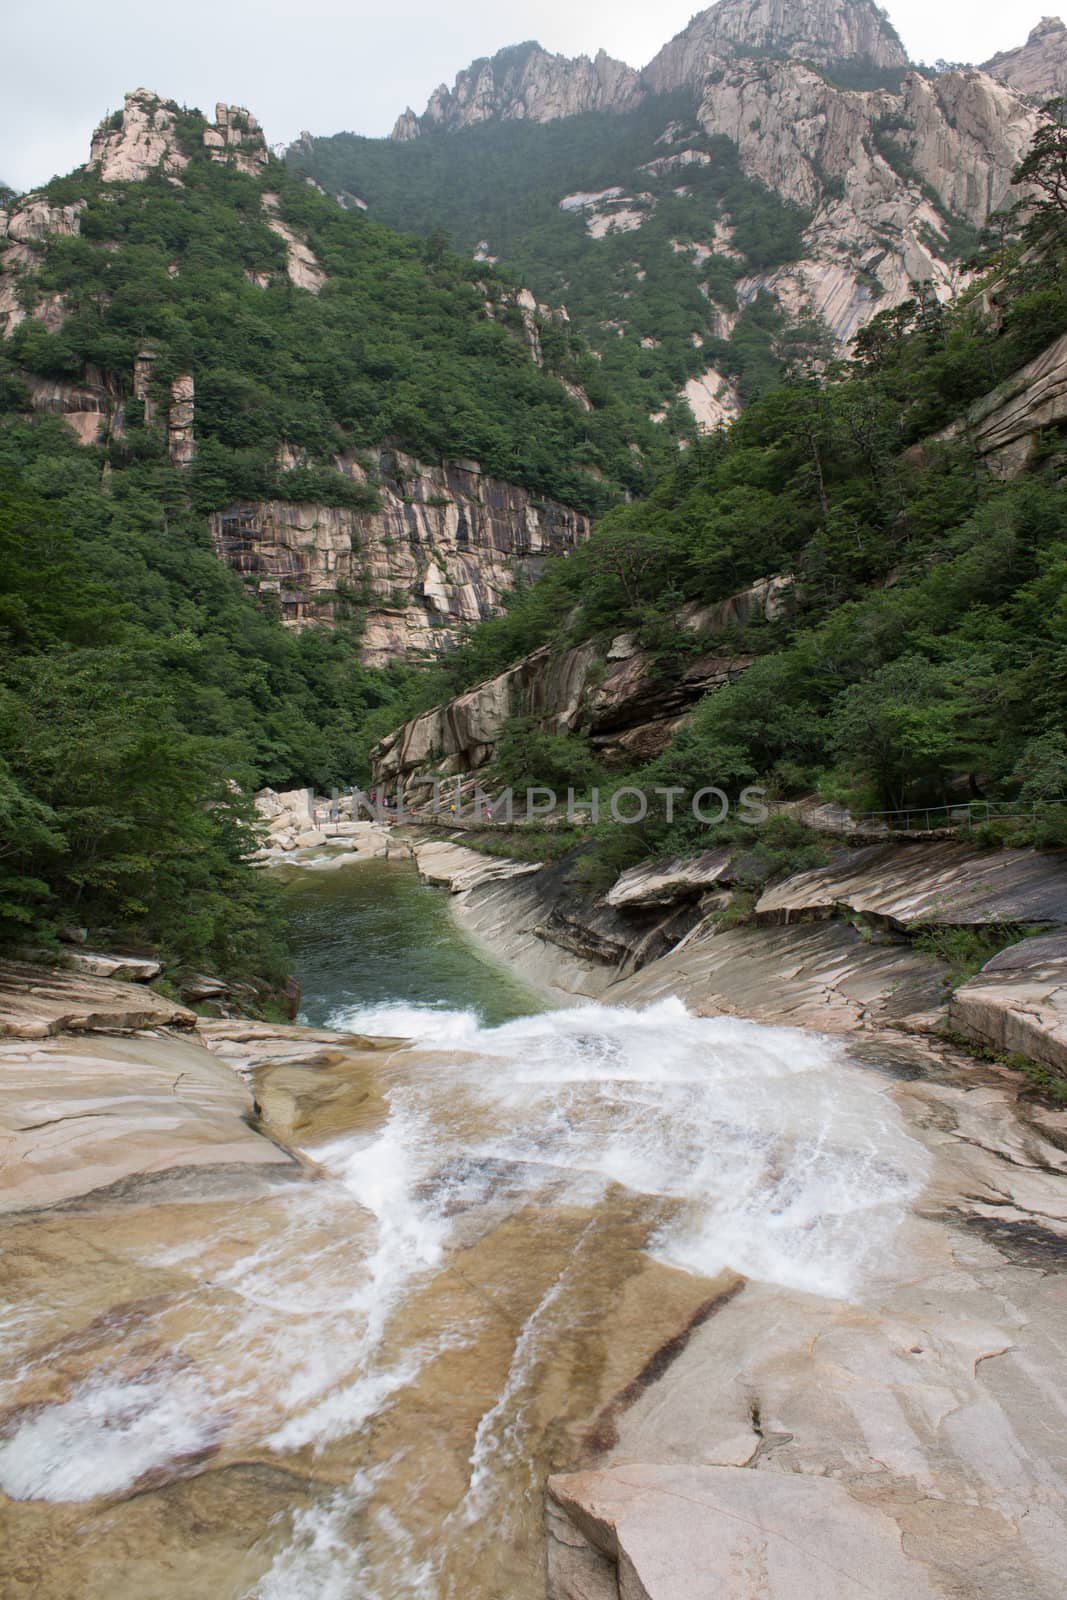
(41, 1002)
(722, 1533)
(459, 870)
(924, 885)
(1018, 1002)
(82, 1115)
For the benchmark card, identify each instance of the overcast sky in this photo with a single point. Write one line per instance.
(340, 64)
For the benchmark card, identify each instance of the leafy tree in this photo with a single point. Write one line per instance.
(1044, 168)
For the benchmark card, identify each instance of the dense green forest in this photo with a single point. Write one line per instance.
(502, 183)
(924, 654)
(144, 695)
(405, 342)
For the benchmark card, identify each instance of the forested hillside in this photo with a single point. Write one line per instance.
(637, 299)
(403, 341)
(143, 694)
(922, 654)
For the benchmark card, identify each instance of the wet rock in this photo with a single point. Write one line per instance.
(826, 977)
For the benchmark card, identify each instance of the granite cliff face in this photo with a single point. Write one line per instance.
(883, 177)
(443, 546)
(527, 82)
(524, 83)
(1037, 68)
(824, 31)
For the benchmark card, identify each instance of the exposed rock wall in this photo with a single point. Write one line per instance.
(526, 83)
(1006, 427)
(628, 710)
(143, 138)
(807, 30)
(1018, 1002)
(137, 140)
(1037, 68)
(875, 227)
(236, 138)
(443, 547)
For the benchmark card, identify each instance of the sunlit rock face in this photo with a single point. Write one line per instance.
(811, 30)
(1039, 67)
(442, 548)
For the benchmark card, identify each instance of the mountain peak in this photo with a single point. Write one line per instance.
(1037, 68)
(144, 137)
(526, 83)
(823, 31)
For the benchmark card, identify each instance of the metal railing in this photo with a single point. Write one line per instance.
(967, 814)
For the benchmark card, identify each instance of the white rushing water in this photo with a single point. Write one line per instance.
(764, 1150)
(791, 1166)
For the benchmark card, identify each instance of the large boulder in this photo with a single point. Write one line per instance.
(1018, 1002)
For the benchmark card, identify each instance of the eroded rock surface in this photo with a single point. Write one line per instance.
(903, 1443)
(442, 548)
(910, 886)
(85, 1114)
(37, 1002)
(1018, 1002)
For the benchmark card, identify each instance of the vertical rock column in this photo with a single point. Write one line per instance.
(181, 440)
(143, 364)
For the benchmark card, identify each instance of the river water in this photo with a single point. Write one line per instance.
(519, 1212)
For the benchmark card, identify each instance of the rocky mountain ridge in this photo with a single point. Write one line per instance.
(525, 81)
(854, 39)
(528, 82)
(891, 173)
(1039, 67)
